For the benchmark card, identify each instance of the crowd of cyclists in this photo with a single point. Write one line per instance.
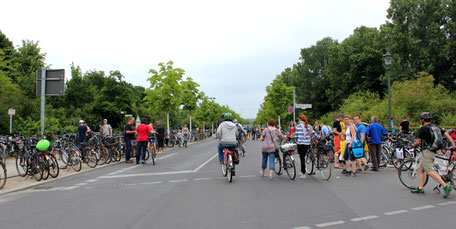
(355, 147)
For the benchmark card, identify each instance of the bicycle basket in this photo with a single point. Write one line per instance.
(288, 147)
(43, 145)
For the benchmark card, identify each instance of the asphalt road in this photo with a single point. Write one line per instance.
(185, 189)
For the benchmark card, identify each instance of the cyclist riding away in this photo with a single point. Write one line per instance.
(241, 134)
(428, 137)
(227, 133)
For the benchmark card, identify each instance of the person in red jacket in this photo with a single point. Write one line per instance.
(143, 131)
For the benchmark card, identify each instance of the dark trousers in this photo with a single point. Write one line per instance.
(302, 151)
(374, 153)
(141, 151)
(128, 149)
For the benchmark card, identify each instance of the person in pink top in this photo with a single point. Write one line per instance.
(143, 131)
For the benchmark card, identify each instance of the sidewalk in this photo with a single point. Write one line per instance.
(17, 183)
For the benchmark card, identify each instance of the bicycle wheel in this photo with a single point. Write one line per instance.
(76, 162)
(410, 177)
(290, 167)
(62, 157)
(224, 169)
(103, 154)
(44, 166)
(147, 155)
(36, 169)
(242, 152)
(278, 165)
(325, 166)
(53, 166)
(397, 161)
(383, 159)
(230, 169)
(152, 158)
(21, 165)
(3, 175)
(310, 162)
(92, 160)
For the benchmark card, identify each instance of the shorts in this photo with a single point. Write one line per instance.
(427, 161)
(160, 143)
(348, 155)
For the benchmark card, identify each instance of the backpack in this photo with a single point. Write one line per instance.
(453, 134)
(437, 138)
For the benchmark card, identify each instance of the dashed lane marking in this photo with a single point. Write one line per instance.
(396, 212)
(81, 184)
(247, 176)
(174, 181)
(423, 207)
(129, 185)
(302, 227)
(69, 188)
(156, 182)
(330, 224)
(56, 188)
(447, 203)
(200, 179)
(364, 218)
(91, 180)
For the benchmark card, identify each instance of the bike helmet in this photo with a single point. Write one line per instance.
(223, 115)
(228, 117)
(425, 116)
(43, 145)
(235, 121)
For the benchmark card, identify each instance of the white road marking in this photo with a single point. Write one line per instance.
(173, 181)
(396, 212)
(302, 227)
(201, 166)
(199, 179)
(56, 188)
(129, 185)
(364, 218)
(170, 155)
(91, 180)
(147, 174)
(70, 188)
(423, 207)
(247, 176)
(330, 224)
(156, 182)
(447, 203)
(80, 184)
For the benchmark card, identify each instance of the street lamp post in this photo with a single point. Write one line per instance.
(388, 59)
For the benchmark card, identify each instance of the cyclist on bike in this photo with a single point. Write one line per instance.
(227, 133)
(426, 137)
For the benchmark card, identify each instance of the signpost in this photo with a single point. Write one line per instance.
(49, 82)
(11, 112)
(304, 106)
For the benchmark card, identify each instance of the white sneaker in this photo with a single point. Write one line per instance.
(303, 176)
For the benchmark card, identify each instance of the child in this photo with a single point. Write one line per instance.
(179, 137)
(337, 152)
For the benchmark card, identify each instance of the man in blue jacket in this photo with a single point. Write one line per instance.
(375, 131)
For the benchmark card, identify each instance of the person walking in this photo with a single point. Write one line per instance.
(291, 131)
(426, 137)
(106, 129)
(129, 136)
(160, 137)
(186, 134)
(304, 133)
(143, 131)
(270, 138)
(375, 131)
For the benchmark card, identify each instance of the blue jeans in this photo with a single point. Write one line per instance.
(185, 140)
(271, 157)
(128, 149)
(141, 151)
(220, 151)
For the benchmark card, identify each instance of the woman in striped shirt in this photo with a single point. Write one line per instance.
(304, 132)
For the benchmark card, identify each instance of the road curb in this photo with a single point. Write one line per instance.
(78, 173)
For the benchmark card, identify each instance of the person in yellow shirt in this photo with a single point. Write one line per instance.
(343, 144)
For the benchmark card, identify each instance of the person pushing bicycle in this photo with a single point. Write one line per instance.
(428, 135)
(227, 133)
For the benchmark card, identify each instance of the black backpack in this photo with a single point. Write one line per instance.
(437, 138)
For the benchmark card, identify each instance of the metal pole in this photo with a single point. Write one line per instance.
(43, 98)
(389, 97)
(294, 105)
(11, 124)
(167, 122)
(279, 122)
(190, 123)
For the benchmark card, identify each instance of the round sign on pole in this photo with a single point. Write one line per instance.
(290, 109)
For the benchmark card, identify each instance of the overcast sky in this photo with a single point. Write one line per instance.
(233, 49)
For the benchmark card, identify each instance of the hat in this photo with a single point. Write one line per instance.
(81, 121)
